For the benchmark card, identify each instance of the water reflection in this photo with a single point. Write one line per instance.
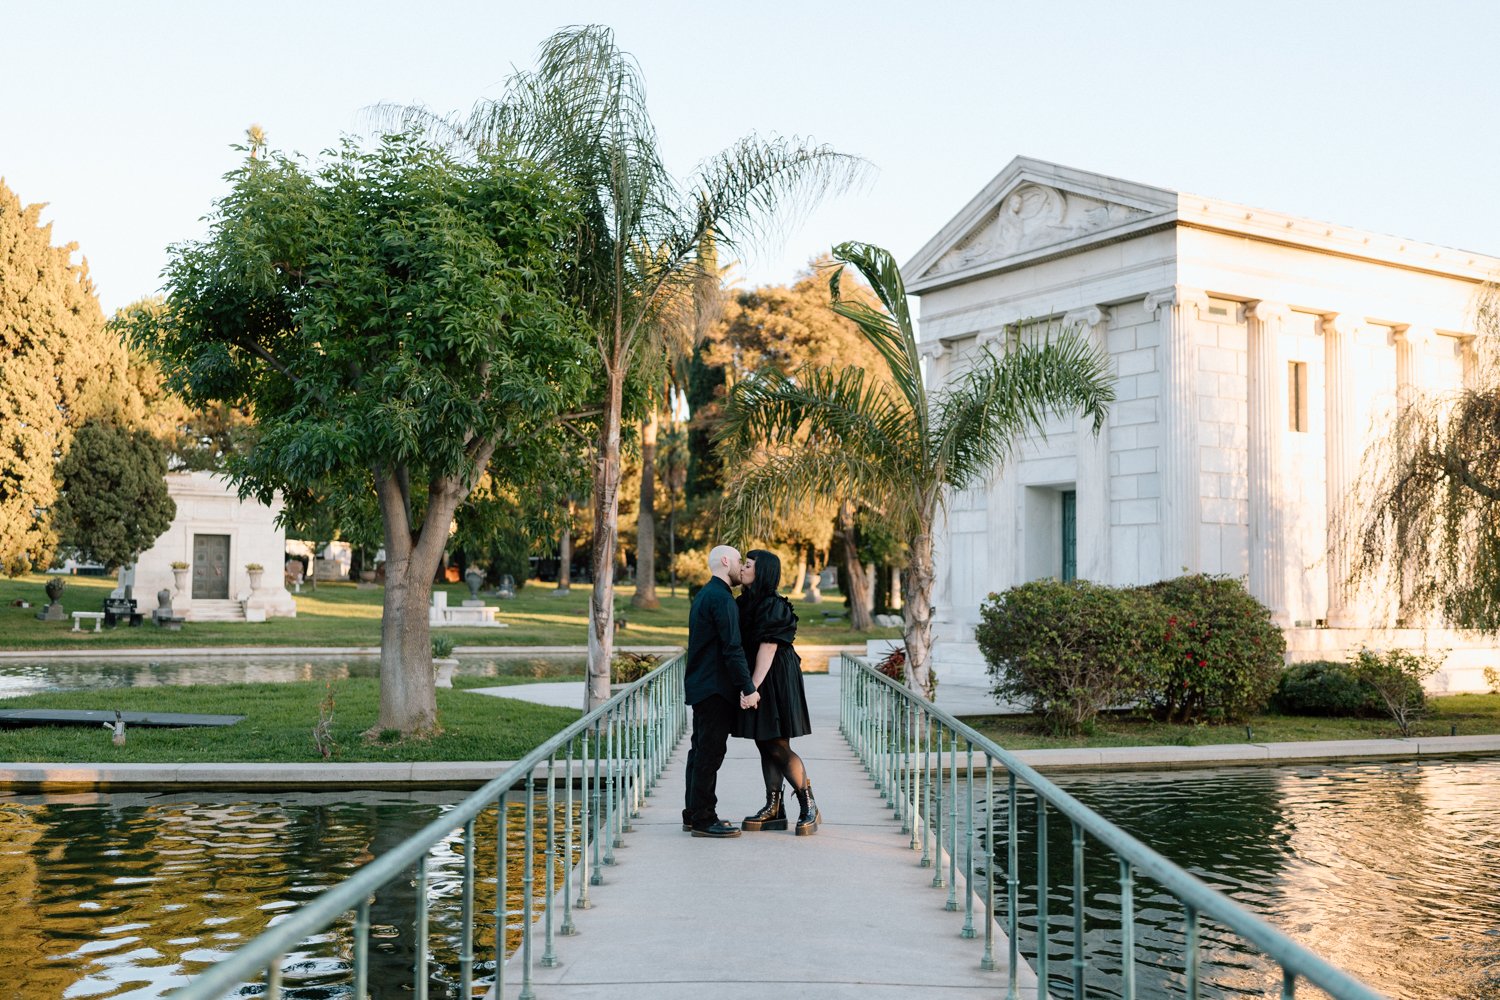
(130, 894)
(18, 677)
(1386, 869)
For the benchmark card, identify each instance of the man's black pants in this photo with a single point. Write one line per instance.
(713, 718)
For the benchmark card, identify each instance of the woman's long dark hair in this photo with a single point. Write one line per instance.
(767, 574)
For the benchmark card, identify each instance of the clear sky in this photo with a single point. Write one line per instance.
(1378, 115)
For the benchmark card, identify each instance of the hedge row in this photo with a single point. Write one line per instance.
(1196, 648)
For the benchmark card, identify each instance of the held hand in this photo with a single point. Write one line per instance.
(750, 700)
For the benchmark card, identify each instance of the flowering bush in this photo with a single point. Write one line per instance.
(894, 664)
(1222, 655)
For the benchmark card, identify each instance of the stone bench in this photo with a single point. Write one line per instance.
(97, 616)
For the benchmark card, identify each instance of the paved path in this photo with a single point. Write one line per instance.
(843, 914)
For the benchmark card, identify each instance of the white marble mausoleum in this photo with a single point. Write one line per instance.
(1258, 355)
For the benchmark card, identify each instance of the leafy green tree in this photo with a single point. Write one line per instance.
(892, 443)
(395, 319)
(113, 504)
(61, 366)
(582, 113)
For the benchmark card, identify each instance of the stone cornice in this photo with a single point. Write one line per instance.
(1341, 324)
(1181, 295)
(1265, 310)
(932, 348)
(1087, 316)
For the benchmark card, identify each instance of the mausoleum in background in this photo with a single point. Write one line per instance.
(1258, 356)
(217, 534)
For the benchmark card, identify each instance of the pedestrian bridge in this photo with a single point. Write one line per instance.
(915, 885)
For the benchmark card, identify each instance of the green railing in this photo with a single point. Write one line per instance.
(925, 764)
(619, 750)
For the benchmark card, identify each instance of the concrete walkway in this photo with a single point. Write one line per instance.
(845, 913)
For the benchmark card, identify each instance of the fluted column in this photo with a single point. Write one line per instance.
(1267, 416)
(1340, 332)
(1176, 310)
(1092, 480)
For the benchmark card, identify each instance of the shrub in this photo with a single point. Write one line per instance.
(894, 664)
(1396, 678)
(1324, 687)
(1069, 650)
(1222, 654)
(442, 647)
(627, 667)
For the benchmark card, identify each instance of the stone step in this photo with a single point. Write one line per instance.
(217, 611)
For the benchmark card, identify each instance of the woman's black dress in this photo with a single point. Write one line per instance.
(782, 713)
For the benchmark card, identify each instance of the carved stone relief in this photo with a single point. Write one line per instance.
(1033, 216)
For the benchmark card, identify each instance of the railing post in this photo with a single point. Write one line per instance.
(987, 963)
(926, 810)
(567, 929)
(968, 930)
(466, 948)
(1078, 956)
(549, 956)
(952, 903)
(1012, 886)
(1127, 930)
(938, 881)
(502, 889)
(596, 793)
(1190, 960)
(528, 887)
(1041, 893)
(362, 951)
(421, 930)
(918, 818)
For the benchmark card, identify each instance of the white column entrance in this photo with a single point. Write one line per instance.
(1176, 309)
(1339, 333)
(1267, 416)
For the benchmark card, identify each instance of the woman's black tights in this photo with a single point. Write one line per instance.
(778, 760)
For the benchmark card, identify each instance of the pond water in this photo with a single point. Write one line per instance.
(1389, 870)
(127, 895)
(33, 676)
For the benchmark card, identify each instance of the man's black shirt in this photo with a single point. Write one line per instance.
(715, 659)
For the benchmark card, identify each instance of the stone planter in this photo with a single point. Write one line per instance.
(442, 670)
(255, 576)
(180, 579)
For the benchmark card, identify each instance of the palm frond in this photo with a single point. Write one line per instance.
(890, 332)
(785, 482)
(984, 412)
(843, 409)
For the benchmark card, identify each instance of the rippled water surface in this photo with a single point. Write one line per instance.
(1389, 870)
(127, 895)
(31, 676)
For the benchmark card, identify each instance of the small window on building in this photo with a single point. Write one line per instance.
(1296, 396)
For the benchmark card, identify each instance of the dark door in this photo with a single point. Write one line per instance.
(1069, 535)
(210, 567)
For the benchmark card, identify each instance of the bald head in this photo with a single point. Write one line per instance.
(724, 563)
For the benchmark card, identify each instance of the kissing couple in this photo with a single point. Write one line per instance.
(765, 703)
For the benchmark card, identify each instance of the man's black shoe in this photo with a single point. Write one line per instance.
(717, 829)
(687, 821)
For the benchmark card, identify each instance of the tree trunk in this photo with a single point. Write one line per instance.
(918, 581)
(606, 540)
(408, 703)
(859, 591)
(565, 555)
(815, 578)
(799, 578)
(870, 590)
(896, 601)
(645, 531)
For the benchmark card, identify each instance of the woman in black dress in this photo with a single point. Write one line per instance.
(768, 626)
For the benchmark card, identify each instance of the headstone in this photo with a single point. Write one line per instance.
(474, 578)
(54, 611)
(507, 589)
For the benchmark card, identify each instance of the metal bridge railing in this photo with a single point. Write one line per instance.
(619, 750)
(923, 761)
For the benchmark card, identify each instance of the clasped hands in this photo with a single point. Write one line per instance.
(750, 700)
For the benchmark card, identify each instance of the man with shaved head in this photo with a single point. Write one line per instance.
(718, 682)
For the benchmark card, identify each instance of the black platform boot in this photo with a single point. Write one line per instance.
(772, 815)
(807, 823)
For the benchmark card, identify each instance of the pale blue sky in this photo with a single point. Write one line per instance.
(1378, 115)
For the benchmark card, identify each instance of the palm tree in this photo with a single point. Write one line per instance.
(582, 113)
(898, 448)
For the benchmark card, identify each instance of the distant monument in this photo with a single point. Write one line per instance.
(54, 612)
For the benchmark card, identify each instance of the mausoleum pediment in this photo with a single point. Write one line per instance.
(1031, 210)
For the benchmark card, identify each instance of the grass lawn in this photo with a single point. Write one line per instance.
(342, 614)
(278, 725)
(1472, 714)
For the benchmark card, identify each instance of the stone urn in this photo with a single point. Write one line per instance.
(475, 579)
(255, 577)
(180, 578)
(54, 611)
(442, 670)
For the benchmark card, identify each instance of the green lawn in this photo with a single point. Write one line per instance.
(342, 614)
(1471, 714)
(278, 724)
